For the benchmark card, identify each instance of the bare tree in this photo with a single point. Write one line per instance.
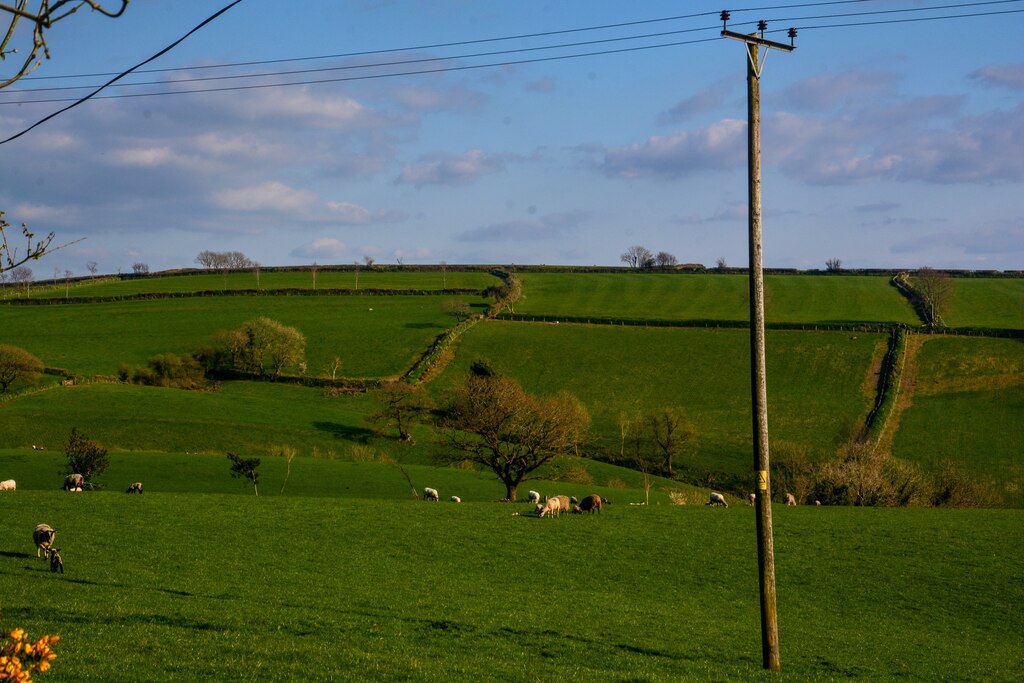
(334, 366)
(369, 261)
(444, 275)
(312, 271)
(459, 309)
(22, 275)
(140, 268)
(92, 267)
(833, 265)
(935, 289)
(67, 282)
(665, 260)
(403, 404)
(638, 256)
(720, 263)
(288, 453)
(671, 431)
(43, 18)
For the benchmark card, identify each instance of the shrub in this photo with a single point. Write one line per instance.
(167, 370)
(86, 457)
(17, 363)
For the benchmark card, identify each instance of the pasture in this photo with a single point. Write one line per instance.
(966, 405)
(986, 302)
(375, 336)
(268, 281)
(347, 588)
(817, 381)
(689, 296)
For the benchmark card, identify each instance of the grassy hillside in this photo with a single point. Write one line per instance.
(967, 405)
(788, 298)
(268, 281)
(296, 588)
(816, 380)
(373, 335)
(986, 302)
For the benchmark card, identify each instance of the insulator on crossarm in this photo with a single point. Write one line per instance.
(761, 26)
(792, 36)
(725, 18)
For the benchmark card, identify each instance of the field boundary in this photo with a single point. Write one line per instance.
(291, 291)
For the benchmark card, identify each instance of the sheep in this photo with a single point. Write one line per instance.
(552, 507)
(533, 497)
(8, 485)
(591, 504)
(817, 503)
(563, 501)
(790, 499)
(573, 500)
(717, 500)
(456, 499)
(751, 499)
(74, 481)
(43, 536)
(431, 494)
(135, 487)
(56, 563)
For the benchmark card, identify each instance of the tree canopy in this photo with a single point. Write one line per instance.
(492, 421)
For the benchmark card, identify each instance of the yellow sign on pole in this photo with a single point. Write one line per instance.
(762, 480)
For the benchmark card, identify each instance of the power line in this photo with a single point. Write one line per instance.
(348, 67)
(125, 73)
(493, 53)
(454, 43)
(898, 11)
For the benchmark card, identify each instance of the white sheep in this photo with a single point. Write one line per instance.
(43, 536)
(74, 481)
(552, 507)
(790, 499)
(456, 499)
(717, 500)
(135, 487)
(751, 499)
(431, 494)
(533, 497)
(8, 485)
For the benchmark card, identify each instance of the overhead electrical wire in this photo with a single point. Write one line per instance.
(454, 68)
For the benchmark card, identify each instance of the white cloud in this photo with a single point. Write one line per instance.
(1002, 75)
(268, 196)
(719, 146)
(323, 247)
(451, 169)
(547, 227)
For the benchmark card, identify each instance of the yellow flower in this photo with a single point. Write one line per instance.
(17, 634)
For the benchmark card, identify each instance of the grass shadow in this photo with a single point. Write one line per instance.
(345, 432)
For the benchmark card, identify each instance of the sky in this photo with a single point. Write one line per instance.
(885, 145)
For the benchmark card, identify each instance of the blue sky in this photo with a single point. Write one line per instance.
(890, 145)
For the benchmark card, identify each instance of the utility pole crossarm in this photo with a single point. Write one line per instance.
(754, 38)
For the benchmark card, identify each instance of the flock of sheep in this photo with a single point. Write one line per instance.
(43, 535)
(550, 507)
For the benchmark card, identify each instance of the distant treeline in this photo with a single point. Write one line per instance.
(291, 291)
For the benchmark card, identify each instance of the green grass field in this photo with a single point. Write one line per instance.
(268, 281)
(968, 407)
(340, 588)
(814, 379)
(986, 302)
(661, 296)
(375, 336)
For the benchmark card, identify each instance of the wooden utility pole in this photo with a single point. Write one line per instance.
(758, 374)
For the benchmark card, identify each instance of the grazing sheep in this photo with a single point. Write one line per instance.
(74, 481)
(790, 499)
(136, 487)
(533, 497)
(818, 503)
(456, 499)
(717, 500)
(56, 563)
(751, 499)
(573, 500)
(564, 502)
(8, 485)
(591, 504)
(431, 494)
(552, 507)
(43, 535)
